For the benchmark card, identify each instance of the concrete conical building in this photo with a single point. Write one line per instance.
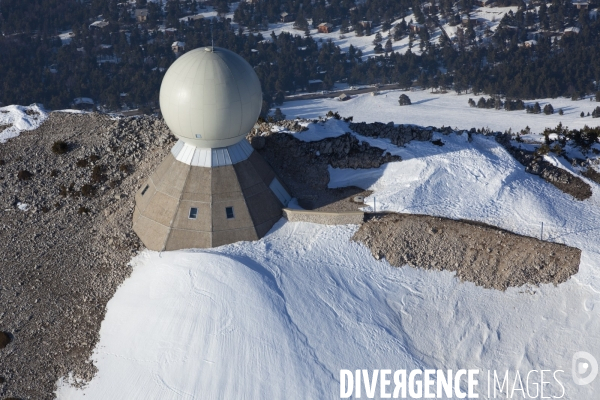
(213, 188)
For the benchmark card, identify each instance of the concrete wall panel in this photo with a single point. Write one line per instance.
(174, 180)
(142, 201)
(152, 234)
(220, 238)
(263, 207)
(163, 169)
(224, 180)
(241, 218)
(162, 208)
(184, 239)
(246, 174)
(203, 221)
(265, 227)
(198, 181)
(261, 167)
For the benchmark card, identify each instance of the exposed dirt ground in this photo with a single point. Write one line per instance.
(63, 257)
(479, 253)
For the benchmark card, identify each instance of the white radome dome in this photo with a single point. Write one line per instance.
(210, 98)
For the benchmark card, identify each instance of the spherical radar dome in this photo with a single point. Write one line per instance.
(210, 98)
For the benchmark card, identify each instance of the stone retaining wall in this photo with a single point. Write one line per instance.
(325, 218)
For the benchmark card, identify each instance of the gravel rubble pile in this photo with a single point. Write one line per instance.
(478, 253)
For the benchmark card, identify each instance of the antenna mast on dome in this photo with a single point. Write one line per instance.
(212, 39)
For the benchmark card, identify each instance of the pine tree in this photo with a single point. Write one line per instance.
(548, 109)
(378, 38)
(388, 46)
(404, 100)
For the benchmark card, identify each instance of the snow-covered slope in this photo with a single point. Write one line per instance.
(15, 119)
(279, 317)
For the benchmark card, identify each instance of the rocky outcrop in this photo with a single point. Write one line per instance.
(399, 135)
(535, 164)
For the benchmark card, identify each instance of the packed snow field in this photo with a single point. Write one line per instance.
(450, 109)
(279, 317)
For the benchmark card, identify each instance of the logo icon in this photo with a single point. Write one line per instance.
(585, 368)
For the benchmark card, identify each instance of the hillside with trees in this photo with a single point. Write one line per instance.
(537, 52)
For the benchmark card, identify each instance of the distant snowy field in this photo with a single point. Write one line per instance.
(279, 317)
(450, 109)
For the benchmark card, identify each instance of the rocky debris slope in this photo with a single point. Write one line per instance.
(535, 164)
(478, 253)
(66, 240)
(303, 166)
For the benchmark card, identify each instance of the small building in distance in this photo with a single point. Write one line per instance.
(325, 27)
(83, 103)
(286, 17)
(191, 18)
(572, 30)
(141, 15)
(315, 85)
(343, 97)
(581, 5)
(414, 27)
(99, 24)
(178, 47)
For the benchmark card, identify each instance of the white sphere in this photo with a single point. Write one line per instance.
(210, 98)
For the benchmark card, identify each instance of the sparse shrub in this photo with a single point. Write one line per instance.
(45, 209)
(543, 150)
(113, 184)
(87, 190)
(556, 149)
(83, 210)
(278, 115)
(24, 175)
(438, 142)
(2, 380)
(54, 173)
(404, 100)
(98, 175)
(63, 191)
(57, 205)
(560, 111)
(124, 168)
(335, 115)
(94, 158)
(82, 163)
(2, 162)
(60, 147)
(4, 339)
